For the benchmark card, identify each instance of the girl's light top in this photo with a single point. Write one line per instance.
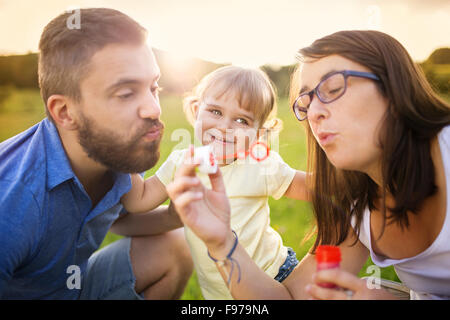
(428, 273)
(248, 185)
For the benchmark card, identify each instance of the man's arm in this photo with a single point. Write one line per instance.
(159, 220)
(19, 228)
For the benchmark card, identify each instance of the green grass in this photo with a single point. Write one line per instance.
(291, 218)
(21, 110)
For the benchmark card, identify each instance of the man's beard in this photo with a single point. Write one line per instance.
(109, 148)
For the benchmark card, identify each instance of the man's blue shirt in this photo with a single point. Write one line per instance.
(47, 222)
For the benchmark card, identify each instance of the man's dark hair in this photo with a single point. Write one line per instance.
(65, 53)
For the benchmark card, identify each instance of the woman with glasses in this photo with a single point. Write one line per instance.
(379, 163)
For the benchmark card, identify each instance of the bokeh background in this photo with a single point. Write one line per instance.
(192, 38)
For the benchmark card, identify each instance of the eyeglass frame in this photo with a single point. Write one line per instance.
(346, 74)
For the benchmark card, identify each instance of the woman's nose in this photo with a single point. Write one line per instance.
(317, 110)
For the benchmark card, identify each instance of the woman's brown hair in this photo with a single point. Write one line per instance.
(414, 116)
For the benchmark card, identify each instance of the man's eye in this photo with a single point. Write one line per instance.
(125, 96)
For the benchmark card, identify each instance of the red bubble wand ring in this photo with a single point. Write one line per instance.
(205, 156)
(252, 152)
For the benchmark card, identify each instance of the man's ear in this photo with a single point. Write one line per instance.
(62, 111)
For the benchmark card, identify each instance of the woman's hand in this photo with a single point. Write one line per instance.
(350, 287)
(205, 211)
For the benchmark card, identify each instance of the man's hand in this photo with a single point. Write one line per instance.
(205, 211)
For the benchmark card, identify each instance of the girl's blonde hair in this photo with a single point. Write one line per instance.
(252, 89)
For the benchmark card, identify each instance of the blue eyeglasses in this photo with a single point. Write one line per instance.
(329, 89)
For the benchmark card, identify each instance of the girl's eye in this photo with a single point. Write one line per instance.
(242, 121)
(216, 112)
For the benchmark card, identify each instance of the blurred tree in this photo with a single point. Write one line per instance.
(281, 77)
(5, 92)
(430, 74)
(180, 76)
(19, 70)
(437, 70)
(440, 56)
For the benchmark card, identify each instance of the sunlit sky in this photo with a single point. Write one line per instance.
(244, 32)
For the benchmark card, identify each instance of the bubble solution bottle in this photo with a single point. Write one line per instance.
(327, 257)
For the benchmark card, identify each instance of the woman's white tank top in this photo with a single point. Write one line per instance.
(428, 273)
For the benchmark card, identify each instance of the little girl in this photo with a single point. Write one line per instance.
(229, 110)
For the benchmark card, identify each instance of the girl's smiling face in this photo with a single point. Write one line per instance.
(223, 124)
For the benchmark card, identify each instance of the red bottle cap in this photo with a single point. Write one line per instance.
(328, 254)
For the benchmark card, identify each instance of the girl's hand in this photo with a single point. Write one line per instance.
(350, 287)
(205, 211)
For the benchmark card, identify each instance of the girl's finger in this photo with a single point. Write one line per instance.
(181, 185)
(186, 169)
(186, 199)
(216, 180)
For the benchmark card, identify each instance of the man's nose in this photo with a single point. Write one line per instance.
(150, 107)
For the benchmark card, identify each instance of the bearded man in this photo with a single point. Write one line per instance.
(62, 179)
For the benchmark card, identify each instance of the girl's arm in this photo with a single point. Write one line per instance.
(159, 220)
(144, 195)
(207, 213)
(297, 189)
(255, 284)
